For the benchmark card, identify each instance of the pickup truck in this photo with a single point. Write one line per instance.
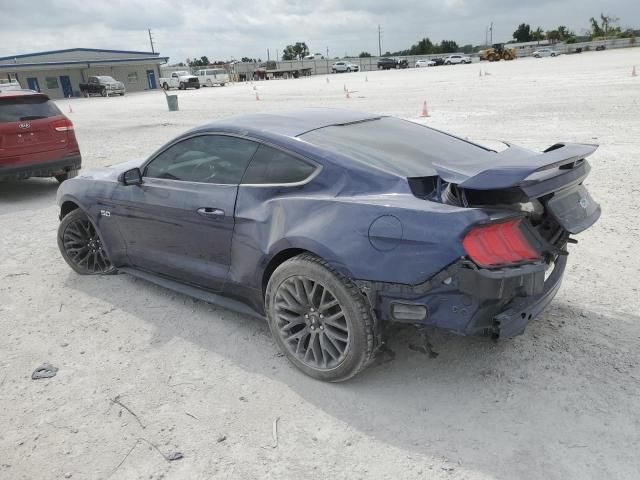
(389, 63)
(180, 80)
(102, 85)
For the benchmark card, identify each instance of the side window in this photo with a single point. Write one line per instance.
(204, 159)
(270, 165)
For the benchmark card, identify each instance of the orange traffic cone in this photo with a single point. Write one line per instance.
(257, 97)
(424, 112)
(633, 72)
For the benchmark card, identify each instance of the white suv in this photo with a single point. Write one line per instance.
(455, 59)
(545, 52)
(344, 67)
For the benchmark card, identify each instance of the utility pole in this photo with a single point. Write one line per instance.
(268, 55)
(379, 41)
(151, 41)
(491, 31)
(327, 52)
(486, 36)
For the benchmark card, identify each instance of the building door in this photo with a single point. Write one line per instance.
(151, 78)
(65, 82)
(32, 82)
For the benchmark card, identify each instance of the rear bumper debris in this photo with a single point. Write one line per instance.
(471, 301)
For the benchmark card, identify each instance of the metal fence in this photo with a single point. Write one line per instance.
(323, 66)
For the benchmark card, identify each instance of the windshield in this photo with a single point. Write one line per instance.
(397, 146)
(16, 109)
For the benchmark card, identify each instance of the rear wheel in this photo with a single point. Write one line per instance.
(81, 245)
(103, 92)
(66, 176)
(319, 319)
(165, 86)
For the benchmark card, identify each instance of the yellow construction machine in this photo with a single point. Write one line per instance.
(498, 52)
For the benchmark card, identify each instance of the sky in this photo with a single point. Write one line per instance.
(226, 29)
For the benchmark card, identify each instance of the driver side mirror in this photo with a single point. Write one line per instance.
(132, 177)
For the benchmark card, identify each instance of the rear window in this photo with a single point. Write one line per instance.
(17, 109)
(397, 146)
(272, 166)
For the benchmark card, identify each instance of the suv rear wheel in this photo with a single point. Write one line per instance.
(319, 319)
(66, 176)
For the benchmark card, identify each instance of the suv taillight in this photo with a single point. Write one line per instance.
(498, 244)
(63, 125)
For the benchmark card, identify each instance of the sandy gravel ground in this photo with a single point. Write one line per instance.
(560, 402)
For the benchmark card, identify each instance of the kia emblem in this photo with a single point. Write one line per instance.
(584, 203)
(24, 125)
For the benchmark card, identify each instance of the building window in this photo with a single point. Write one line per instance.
(132, 77)
(52, 83)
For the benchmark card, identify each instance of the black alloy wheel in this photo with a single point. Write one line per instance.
(81, 245)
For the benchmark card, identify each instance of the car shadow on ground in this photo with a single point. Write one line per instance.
(28, 194)
(436, 405)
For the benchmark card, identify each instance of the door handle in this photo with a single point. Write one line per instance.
(210, 212)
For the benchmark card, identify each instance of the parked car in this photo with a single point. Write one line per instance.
(456, 59)
(316, 220)
(601, 47)
(425, 63)
(344, 67)
(389, 63)
(180, 80)
(102, 85)
(438, 60)
(7, 85)
(36, 139)
(208, 77)
(545, 52)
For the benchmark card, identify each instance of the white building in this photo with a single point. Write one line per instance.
(58, 73)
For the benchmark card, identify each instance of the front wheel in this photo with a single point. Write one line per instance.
(348, 70)
(103, 92)
(165, 86)
(81, 245)
(319, 319)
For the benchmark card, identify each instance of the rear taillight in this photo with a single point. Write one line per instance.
(63, 125)
(498, 244)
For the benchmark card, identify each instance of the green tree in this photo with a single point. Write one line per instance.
(364, 55)
(553, 36)
(537, 34)
(523, 33)
(295, 52)
(608, 26)
(199, 62)
(424, 46)
(448, 46)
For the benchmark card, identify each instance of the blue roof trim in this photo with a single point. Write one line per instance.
(9, 66)
(53, 52)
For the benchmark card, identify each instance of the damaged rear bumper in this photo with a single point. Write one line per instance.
(471, 301)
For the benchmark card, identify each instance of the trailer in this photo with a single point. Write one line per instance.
(270, 70)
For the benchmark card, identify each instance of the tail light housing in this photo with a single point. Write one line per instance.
(62, 125)
(499, 244)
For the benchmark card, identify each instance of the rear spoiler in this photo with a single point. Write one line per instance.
(513, 166)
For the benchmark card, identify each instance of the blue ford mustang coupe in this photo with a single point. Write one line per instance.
(331, 222)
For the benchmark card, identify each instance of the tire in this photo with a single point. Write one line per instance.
(341, 348)
(198, 87)
(181, 86)
(165, 86)
(67, 176)
(122, 94)
(380, 67)
(208, 84)
(348, 70)
(103, 92)
(81, 245)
